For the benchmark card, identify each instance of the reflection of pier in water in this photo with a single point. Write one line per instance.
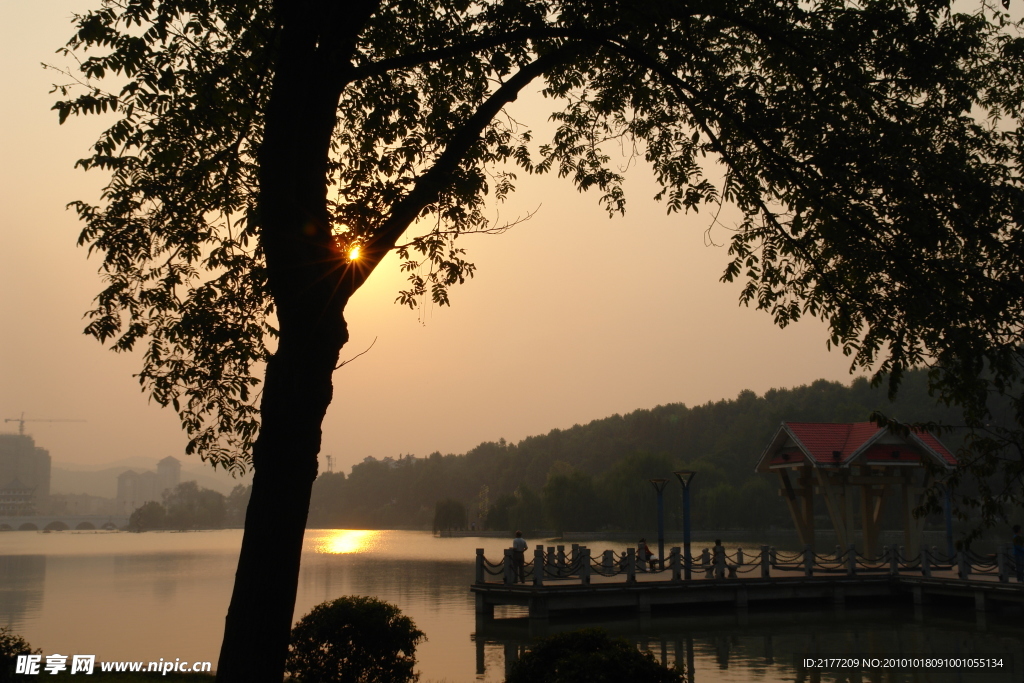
(753, 641)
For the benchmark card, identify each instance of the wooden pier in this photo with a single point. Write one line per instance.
(574, 581)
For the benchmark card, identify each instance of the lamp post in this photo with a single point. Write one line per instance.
(659, 486)
(685, 477)
(949, 522)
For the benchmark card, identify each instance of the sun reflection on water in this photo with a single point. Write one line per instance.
(345, 541)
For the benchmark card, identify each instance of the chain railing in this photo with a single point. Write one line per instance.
(556, 564)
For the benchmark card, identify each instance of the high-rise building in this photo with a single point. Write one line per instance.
(168, 471)
(135, 489)
(24, 476)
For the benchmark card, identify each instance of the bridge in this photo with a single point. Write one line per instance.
(556, 581)
(63, 522)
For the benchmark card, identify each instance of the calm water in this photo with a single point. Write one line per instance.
(147, 596)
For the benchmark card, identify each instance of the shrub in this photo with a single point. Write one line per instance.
(149, 516)
(12, 645)
(354, 640)
(589, 656)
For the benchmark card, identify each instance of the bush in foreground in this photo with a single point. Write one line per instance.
(12, 645)
(589, 656)
(354, 640)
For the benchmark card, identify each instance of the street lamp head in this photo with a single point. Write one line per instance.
(685, 477)
(659, 484)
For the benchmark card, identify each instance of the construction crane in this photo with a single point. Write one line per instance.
(21, 422)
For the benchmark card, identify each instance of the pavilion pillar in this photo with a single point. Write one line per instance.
(912, 528)
(800, 502)
(835, 501)
(872, 501)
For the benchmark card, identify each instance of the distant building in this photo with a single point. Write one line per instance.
(168, 472)
(24, 475)
(135, 489)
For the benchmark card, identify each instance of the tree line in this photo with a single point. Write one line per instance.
(190, 506)
(595, 476)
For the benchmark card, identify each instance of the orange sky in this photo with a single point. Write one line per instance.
(571, 317)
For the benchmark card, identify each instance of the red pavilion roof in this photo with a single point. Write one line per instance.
(833, 444)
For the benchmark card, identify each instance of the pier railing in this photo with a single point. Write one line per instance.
(555, 563)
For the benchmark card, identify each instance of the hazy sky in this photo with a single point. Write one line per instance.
(571, 317)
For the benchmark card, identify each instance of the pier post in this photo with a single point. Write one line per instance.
(808, 560)
(851, 560)
(926, 561)
(607, 561)
(585, 567)
(1004, 575)
(506, 566)
(739, 557)
(765, 562)
(551, 563)
(705, 558)
(894, 567)
(480, 576)
(774, 556)
(630, 565)
(962, 564)
(560, 550)
(675, 561)
(484, 608)
(575, 555)
(538, 566)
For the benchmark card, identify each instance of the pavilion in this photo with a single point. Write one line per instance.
(842, 462)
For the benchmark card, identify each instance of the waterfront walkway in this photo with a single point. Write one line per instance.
(574, 580)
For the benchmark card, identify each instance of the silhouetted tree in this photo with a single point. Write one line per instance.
(12, 645)
(190, 507)
(870, 193)
(449, 514)
(151, 515)
(236, 503)
(354, 639)
(589, 656)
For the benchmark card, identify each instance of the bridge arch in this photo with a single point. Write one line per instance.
(28, 526)
(85, 526)
(56, 525)
(6, 527)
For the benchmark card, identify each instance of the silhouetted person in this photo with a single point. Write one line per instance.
(644, 553)
(719, 564)
(519, 557)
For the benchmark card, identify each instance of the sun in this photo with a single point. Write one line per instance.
(353, 253)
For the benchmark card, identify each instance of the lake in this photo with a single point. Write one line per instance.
(124, 596)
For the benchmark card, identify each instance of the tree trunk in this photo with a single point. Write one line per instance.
(296, 395)
(310, 282)
(306, 276)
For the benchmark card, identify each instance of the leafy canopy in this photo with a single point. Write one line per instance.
(354, 639)
(873, 149)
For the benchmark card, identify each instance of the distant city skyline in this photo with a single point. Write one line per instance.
(572, 317)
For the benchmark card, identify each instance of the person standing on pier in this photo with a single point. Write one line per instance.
(718, 559)
(1018, 552)
(644, 553)
(519, 557)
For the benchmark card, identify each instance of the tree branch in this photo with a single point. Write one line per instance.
(433, 181)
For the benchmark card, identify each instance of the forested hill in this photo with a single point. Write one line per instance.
(594, 476)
